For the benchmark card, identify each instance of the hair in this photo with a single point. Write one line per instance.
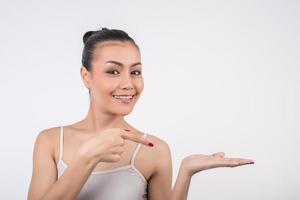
(93, 38)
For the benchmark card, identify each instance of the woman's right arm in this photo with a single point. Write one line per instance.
(44, 184)
(105, 146)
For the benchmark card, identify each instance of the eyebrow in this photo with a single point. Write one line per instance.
(118, 63)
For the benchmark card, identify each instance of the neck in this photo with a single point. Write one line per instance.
(97, 120)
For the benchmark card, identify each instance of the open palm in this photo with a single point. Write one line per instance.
(199, 162)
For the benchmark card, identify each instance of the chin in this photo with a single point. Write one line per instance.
(122, 112)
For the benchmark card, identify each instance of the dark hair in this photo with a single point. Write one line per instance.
(92, 38)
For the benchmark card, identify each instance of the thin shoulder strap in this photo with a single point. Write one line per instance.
(136, 150)
(61, 142)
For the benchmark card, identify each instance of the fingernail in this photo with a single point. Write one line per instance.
(251, 162)
(126, 130)
(150, 144)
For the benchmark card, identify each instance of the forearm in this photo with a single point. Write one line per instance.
(181, 187)
(70, 183)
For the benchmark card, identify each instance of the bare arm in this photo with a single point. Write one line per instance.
(181, 187)
(159, 186)
(105, 146)
(44, 184)
(198, 162)
(160, 183)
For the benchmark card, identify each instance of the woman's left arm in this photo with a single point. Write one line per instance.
(195, 163)
(160, 183)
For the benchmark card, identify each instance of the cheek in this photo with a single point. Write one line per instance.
(105, 85)
(140, 85)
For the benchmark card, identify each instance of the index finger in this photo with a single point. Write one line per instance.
(233, 162)
(136, 138)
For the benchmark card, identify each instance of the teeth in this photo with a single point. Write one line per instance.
(122, 97)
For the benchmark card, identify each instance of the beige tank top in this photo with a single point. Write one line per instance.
(122, 183)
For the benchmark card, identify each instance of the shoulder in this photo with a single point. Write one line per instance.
(161, 148)
(48, 135)
(47, 139)
(162, 163)
(160, 143)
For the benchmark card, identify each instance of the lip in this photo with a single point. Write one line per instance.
(124, 94)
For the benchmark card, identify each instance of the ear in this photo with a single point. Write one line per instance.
(86, 77)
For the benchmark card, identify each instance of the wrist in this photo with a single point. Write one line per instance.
(86, 158)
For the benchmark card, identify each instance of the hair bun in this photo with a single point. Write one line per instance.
(87, 35)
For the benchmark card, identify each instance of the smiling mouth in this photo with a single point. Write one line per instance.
(124, 98)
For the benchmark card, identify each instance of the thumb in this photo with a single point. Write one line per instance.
(219, 154)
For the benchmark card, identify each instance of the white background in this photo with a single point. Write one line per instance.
(219, 76)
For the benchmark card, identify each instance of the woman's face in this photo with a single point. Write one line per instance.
(116, 82)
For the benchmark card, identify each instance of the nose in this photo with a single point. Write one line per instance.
(126, 82)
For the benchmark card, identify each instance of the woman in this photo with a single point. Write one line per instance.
(102, 156)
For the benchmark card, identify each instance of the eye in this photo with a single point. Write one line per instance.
(114, 72)
(137, 73)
